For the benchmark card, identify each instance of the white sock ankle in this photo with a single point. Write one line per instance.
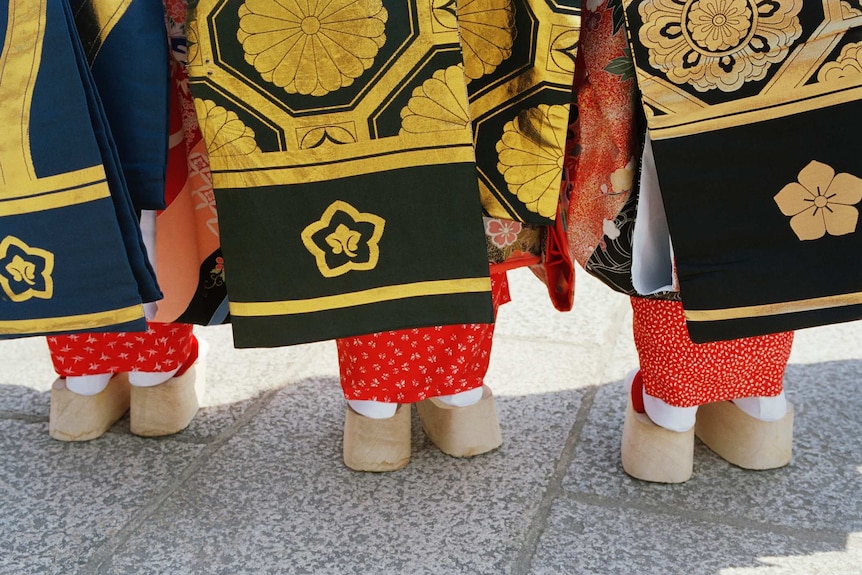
(150, 378)
(764, 408)
(668, 416)
(464, 398)
(88, 384)
(373, 409)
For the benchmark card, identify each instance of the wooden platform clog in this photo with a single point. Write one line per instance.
(653, 453)
(743, 440)
(75, 417)
(166, 408)
(462, 431)
(377, 444)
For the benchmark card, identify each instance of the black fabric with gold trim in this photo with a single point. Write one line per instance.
(755, 111)
(71, 256)
(519, 62)
(341, 153)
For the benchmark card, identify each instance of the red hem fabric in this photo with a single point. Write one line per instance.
(686, 374)
(163, 347)
(410, 365)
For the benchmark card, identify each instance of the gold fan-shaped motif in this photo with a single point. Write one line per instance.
(224, 133)
(439, 104)
(530, 156)
(487, 29)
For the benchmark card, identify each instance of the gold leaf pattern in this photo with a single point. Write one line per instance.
(224, 133)
(848, 65)
(439, 104)
(530, 156)
(487, 29)
(311, 48)
(821, 202)
(718, 43)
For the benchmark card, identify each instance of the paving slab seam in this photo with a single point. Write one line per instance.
(98, 562)
(25, 417)
(523, 562)
(628, 503)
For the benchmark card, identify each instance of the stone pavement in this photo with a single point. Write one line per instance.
(256, 484)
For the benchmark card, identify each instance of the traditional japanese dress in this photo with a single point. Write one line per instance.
(139, 115)
(618, 231)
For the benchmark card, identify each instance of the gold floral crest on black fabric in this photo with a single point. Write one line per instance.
(718, 43)
(25, 272)
(531, 157)
(311, 48)
(344, 239)
(821, 202)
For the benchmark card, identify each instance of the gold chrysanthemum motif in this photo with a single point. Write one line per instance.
(311, 48)
(821, 202)
(848, 65)
(487, 29)
(718, 43)
(530, 157)
(224, 133)
(439, 104)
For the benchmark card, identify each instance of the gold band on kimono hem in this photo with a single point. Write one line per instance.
(752, 311)
(87, 321)
(363, 297)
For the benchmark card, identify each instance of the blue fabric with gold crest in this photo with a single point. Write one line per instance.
(71, 254)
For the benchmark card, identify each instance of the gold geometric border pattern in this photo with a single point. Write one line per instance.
(359, 154)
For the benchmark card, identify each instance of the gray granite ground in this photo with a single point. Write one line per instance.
(256, 484)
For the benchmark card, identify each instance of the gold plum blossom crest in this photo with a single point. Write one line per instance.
(25, 271)
(718, 43)
(311, 48)
(439, 104)
(224, 133)
(530, 156)
(821, 202)
(344, 239)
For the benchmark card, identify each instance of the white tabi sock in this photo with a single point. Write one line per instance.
(764, 408)
(464, 398)
(88, 384)
(150, 378)
(373, 409)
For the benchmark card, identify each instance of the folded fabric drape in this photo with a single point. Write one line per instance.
(754, 111)
(71, 254)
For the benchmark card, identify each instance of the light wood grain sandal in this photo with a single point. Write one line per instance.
(75, 417)
(377, 444)
(649, 451)
(462, 431)
(743, 440)
(169, 407)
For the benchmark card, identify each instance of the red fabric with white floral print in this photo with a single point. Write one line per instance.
(163, 347)
(409, 365)
(686, 374)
